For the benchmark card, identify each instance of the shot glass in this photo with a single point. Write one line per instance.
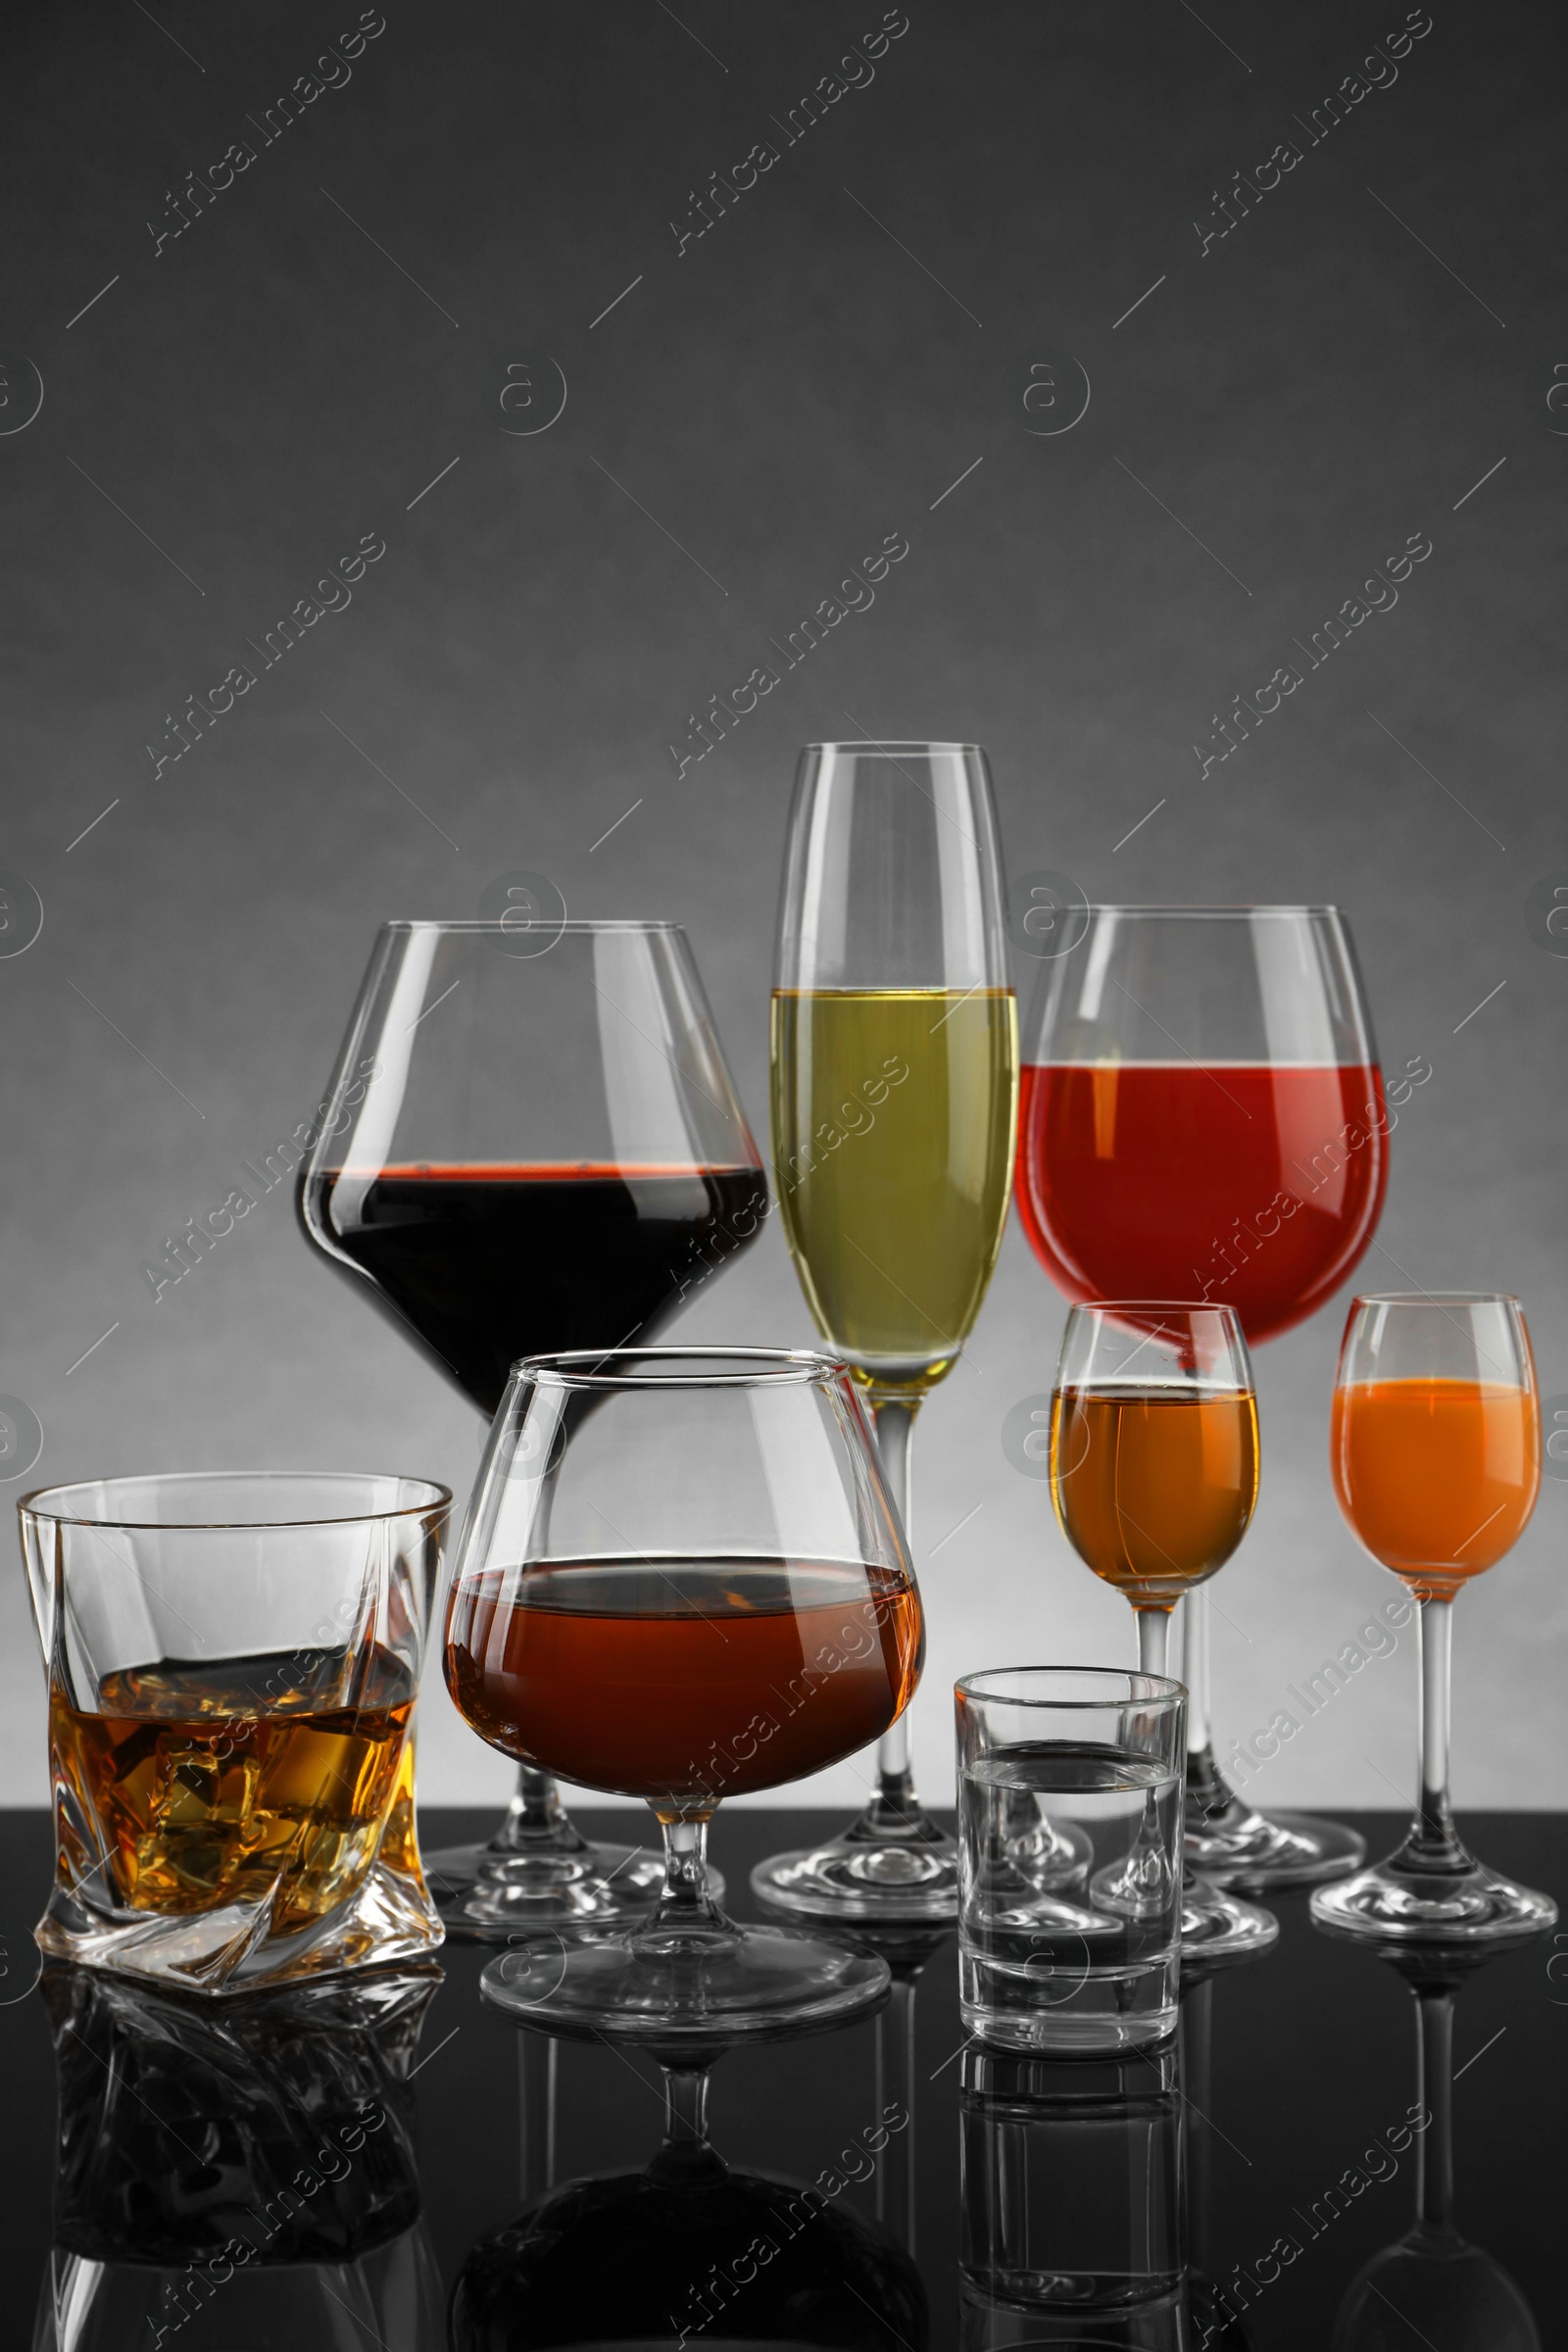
(1071, 1864)
(232, 1664)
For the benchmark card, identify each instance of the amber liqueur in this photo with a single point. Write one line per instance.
(281, 1773)
(677, 1677)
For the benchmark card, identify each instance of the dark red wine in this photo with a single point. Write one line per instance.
(485, 1263)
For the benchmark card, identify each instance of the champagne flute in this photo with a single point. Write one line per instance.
(894, 1064)
(1202, 1117)
(698, 1588)
(1436, 1452)
(1153, 1476)
(531, 1141)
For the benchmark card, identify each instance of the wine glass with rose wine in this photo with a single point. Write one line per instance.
(534, 1143)
(1202, 1117)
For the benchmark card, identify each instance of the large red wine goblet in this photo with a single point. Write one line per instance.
(531, 1142)
(1202, 1119)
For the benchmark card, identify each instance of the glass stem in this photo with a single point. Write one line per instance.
(894, 2093)
(894, 1425)
(1434, 2163)
(535, 1819)
(1154, 1651)
(1208, 1794)
(1437, 1657)
(687, 1900)
(536, 2104)
(686, 2106)
(686, 2160)
(1194, 1651)
(1433, 1843)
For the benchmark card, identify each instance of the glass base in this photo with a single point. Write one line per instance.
(489, 1894)
(1101, 2029)
(1433, 2288)
(998, 2313)
(1211, 2319)
(686, 1988)
(1469, 1905)
(234, 1947)
(1237, 1847)
(393, 2295)
(843, 1881)
(1218, 1928)
(893, 1865)
(1053, 1856)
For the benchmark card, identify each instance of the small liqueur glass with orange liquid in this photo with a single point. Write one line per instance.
(1436, 1452)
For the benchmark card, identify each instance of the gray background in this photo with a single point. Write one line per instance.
(756, 414)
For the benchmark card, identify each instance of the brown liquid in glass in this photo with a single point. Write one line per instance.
(674, 1679)
(215, 1784)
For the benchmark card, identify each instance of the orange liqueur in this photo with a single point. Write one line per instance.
(1154, 1488)
(1437, 1477)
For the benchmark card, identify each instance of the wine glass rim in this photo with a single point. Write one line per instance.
(507, 924)
(1158, 1306)
(1243, 911)
(1156, 1689)
(781, 1366)
(1433, 1298)
(893, 746)
(53, 1503)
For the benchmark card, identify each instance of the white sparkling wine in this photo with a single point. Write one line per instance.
(894, 1120)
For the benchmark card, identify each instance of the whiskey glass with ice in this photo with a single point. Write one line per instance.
(232, 1663)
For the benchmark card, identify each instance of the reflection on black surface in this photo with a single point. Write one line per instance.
(1430, 2286)
(907, 1950)
(237, 2174)
(1216, 2325)
(688, 2250)
(536, 2115)
(1072, 2221)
